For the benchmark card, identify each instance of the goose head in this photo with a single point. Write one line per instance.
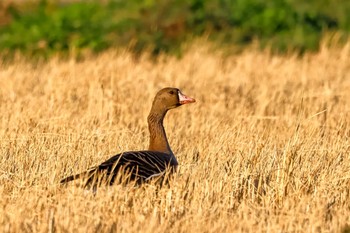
(170, 97)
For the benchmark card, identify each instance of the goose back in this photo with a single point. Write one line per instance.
(139, 166)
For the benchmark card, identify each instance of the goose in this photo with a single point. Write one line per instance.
(141, 166)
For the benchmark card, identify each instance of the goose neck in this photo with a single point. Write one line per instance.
(158, 138)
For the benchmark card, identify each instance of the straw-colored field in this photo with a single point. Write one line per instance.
(266, 148)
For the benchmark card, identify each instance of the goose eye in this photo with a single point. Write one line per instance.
(171, 92)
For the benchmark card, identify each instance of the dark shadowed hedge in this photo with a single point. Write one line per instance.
(46, 27)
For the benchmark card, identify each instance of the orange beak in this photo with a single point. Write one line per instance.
(183, 99)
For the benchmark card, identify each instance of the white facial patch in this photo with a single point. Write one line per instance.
(182, 97)
(185, 99)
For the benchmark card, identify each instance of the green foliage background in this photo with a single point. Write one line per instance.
(49, 27)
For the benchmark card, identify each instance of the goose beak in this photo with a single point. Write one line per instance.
(183, 99)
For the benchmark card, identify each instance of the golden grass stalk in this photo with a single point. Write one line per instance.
(265, 148)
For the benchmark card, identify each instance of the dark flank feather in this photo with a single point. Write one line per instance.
(140, 166)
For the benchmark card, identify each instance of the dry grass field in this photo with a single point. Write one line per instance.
(266, 148)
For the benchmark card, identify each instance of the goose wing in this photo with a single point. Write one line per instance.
(141, 164)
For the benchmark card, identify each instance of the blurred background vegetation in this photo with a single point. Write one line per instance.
(42, 28)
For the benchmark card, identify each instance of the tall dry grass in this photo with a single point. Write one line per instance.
(265, 148)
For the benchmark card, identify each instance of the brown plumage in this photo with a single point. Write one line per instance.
(140, 166)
